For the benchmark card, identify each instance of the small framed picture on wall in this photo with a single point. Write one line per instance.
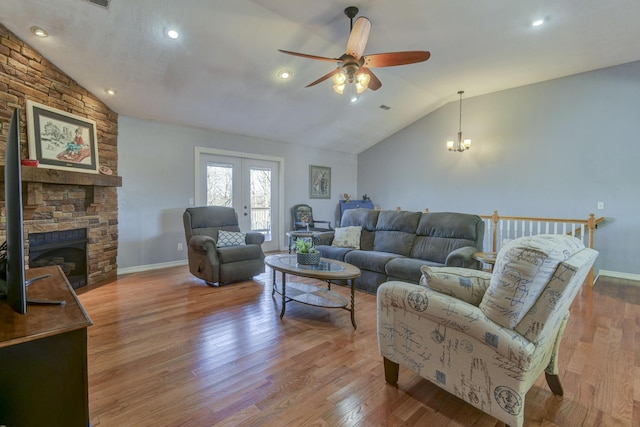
(319, 182)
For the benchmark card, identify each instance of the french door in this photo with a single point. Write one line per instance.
(248, 185)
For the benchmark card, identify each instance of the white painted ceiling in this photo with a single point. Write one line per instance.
(222, 72)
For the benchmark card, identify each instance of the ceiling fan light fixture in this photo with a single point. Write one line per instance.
(339, 78)
(362, 82)
(339, 88)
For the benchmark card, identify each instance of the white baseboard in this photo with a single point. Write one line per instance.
(619, 275)
(148, 267)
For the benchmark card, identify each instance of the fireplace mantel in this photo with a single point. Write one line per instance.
(55, 176)
(35, 177)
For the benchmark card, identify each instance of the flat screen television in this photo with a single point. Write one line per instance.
(15, 286)
(16, 291)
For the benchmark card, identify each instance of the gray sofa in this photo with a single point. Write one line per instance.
(395, 244)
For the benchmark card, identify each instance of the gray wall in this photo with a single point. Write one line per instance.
(552, 149)
(156, 162)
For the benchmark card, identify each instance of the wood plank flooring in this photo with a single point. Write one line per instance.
(167, 350)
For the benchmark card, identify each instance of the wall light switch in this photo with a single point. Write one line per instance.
(600, 205)
(191, 202)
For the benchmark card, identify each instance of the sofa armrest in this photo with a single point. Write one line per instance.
(462, 257)
(202, 243)
(254, 238)
(453, 313)
(323, 238)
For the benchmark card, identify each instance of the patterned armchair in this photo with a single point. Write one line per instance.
(486, 337)
(302, 217)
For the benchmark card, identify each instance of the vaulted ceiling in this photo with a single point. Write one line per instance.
(221, 73)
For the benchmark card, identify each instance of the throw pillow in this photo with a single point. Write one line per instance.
(461, 283)
(347, 237)
(230, 238)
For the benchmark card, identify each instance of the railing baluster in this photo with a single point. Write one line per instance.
(498, 233)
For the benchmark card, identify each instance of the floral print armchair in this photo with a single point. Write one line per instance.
(486, 337)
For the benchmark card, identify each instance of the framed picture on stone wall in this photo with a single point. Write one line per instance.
(61, 140)
(319, 182)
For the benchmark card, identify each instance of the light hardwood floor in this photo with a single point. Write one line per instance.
(167, 350)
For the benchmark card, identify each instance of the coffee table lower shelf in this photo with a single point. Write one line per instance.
(312, 295)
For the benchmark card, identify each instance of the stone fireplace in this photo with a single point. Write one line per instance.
(74, 214)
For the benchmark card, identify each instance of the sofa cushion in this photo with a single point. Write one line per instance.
(369, 260)
(365, 218)
(461, 283)
(407, 269)
(523, 268)
(333, 252)
(440, 233)
(397, 242)
(228, 254)
(347, 237)
(230, 238)
(398, 221)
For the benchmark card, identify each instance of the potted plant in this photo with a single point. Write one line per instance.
(307, 254)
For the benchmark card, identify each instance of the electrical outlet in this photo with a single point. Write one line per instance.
(600, 205)
(191, 202)
(180, 247)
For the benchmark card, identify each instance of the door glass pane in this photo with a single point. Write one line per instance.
(219, 185)
(260, 188)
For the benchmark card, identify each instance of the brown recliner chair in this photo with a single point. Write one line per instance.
(217, 251)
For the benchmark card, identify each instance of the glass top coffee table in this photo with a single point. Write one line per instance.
(327, 270)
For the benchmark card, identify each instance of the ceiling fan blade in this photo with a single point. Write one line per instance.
(304, 55)
(358, 37)
(325, 77)
(391, 59)
(374, 82)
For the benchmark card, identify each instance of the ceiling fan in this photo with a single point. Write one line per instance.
(354, 68)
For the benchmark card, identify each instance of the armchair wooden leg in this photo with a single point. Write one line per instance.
(554, 384)
(391, 370)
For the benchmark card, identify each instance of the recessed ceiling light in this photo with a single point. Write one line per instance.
(173, 34)
(284, 74)
(538, 22)
(39, 31)
(110, 91)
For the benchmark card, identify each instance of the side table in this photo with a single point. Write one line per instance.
(488, 258)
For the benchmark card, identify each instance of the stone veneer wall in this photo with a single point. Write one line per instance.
(25, 74)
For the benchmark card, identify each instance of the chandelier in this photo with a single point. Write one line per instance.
(460, 145)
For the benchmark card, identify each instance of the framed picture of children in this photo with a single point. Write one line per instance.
(61, 140)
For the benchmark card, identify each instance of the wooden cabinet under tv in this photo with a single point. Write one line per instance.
(43, 357)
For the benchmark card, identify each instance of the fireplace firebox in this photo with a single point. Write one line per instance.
(67, 248)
